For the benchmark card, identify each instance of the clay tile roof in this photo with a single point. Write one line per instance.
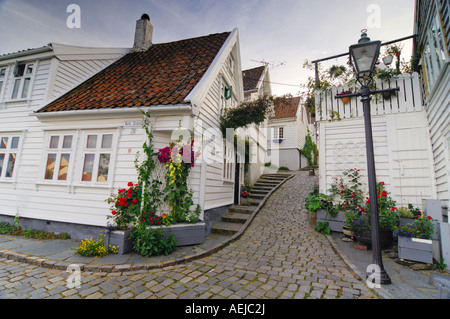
(251, 77)
(285, 107)
(162, 75)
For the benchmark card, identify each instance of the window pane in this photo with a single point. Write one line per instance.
(63, 167)
(15, 142)
(4, 142)
(54, 141)
(88, 167)
(107, 141)
(91, 141)
(50, 168)
(10, 167)
(20, 70)
(2, 159)
(103, 168)
(26, 85)
(16, 89)
(67, 143)
(1, 84)
(29, 69)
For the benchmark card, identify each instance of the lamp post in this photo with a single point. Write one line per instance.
(363, 57)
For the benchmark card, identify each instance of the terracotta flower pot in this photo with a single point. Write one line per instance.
(345, 100)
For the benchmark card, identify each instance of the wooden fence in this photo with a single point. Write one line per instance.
(408, 99)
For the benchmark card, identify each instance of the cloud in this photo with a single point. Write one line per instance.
(276, 31)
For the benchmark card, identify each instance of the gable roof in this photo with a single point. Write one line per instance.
(285, 107)
(252, 77)
(162, 75)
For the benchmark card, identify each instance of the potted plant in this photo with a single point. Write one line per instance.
(124, 211)
(329, 213)
(414, 241)
(407, 216)
(344, 99)
(358, 220)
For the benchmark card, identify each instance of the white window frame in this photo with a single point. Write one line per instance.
(434, 58)
(96, 151)
(228, 162)
(3, 78)
(278, 132)
(59, 151)
(21, 80)
(7, 152)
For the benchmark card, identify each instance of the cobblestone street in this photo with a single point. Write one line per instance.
(279, 256)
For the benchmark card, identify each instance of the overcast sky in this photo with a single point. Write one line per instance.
(283, 33)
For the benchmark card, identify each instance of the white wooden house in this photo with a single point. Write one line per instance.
(256, 83)
(28, 80)
(82, 145)
(432, 27)
(288, 128)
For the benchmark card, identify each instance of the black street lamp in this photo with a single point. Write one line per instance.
(363, 57)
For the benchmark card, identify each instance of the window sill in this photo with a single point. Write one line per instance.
(72, 187)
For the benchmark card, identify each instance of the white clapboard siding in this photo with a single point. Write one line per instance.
(217, 192)
(402, 147)
(438, 110)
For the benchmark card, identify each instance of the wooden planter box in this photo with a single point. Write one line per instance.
(415, 249)
(406, 221)
(335, 223)
(185, 234)
(120, 239)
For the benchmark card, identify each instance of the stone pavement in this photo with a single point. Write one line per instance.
(278, 256)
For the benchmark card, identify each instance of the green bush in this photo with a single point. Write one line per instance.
(92, 248)
(151, 242)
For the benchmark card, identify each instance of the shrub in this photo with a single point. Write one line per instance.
(92, 248)
(151, 242)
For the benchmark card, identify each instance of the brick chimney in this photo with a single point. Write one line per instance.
(143, 34)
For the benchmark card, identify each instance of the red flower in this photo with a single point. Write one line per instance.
(384, 194)
(353, 195)
(130, 184)
(418, 216)
(393, 208)
(129, 195)
(121, 190)
(342, 191)
(382, 183)
(429, 218)
(113, 212)
(135, 200)
(397, 53)
(129, 190)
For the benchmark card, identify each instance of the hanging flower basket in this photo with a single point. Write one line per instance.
(345, 100)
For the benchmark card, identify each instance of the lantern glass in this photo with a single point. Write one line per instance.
(363, 57)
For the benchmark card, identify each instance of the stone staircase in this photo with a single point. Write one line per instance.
(237, 215)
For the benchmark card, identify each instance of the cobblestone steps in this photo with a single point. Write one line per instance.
(233, 221)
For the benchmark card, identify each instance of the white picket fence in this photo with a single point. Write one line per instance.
(408, 99)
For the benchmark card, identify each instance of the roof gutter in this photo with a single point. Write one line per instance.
(47, 48)
(177, 109)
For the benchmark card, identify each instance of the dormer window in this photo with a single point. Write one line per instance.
(22, 79)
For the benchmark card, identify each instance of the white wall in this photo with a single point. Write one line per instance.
(402, 150)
